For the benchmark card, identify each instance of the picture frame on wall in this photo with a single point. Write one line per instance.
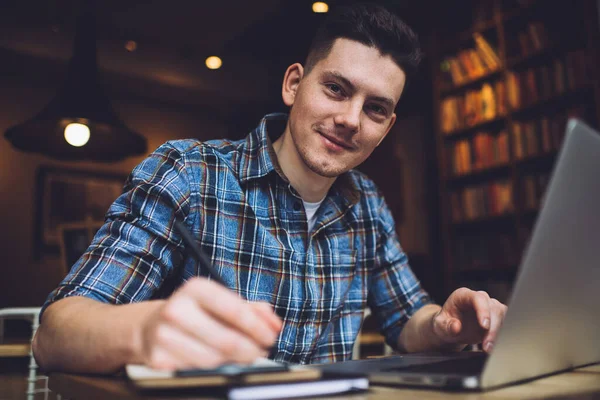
(74, 239)
(67, 196)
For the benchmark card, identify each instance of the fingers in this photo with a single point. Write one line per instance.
(229, 309)
(454, 327)
(204, 325)
(228, 343)
(446, 327)
(451, 327)
(173, 349)
(481, 305)
(462, 304)
(266, 310)
(471, 317)
(497, 312)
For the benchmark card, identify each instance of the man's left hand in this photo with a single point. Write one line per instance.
(469, 317)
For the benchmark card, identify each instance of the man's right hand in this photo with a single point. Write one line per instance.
(204, 325)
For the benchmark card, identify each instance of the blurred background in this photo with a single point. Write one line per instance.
(463, 171)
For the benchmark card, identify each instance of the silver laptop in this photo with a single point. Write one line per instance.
(553, 319)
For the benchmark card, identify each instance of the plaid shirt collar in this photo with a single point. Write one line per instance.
(262, 159)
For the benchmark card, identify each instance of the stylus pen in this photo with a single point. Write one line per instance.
(197, 252)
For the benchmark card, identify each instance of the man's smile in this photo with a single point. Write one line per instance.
(335, 143)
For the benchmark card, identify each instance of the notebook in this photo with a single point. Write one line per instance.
(262, 371)
(265, 379)
(553, 323)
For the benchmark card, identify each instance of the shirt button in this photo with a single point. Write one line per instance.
(297, 206)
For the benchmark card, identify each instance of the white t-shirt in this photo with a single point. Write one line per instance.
(311, 211)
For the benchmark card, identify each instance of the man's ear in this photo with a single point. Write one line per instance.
(392, 121)
(291, 81)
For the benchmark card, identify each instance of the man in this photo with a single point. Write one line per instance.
(289, 226)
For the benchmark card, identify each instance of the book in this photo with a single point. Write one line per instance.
(537, 33)
(482, 201)
(488, 102)
(500, 91)
(513, 90)
(328, 385)
(486, 48)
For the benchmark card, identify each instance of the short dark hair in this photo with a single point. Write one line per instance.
(373, 26)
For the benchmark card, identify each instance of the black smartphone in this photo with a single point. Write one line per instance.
(231, 370)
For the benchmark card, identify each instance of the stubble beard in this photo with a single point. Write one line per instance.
(318, 167)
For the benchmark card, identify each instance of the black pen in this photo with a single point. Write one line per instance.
(197, 252)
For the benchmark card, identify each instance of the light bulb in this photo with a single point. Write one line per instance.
(320, 7)
(77, 134)
(214, 62)
(131, 45)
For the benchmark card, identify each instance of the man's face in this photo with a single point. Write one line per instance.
(343, 108)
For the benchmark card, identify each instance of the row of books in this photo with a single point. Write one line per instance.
(544, 135)
(482, 201)
(483, 151)
(492, 200)
(472, 63)
(534, 187)
(529, 138)
(536, 84)
(523, 88)
(473, 107)
(484, 250)
(530, 40)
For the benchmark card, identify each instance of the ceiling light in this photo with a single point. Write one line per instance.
(131, 45)
(320, 7)
(81, 98)
(214, 62)
(77, 134)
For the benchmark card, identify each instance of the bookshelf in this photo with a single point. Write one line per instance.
(506, 79)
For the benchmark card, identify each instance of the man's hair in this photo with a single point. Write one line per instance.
(373, 26)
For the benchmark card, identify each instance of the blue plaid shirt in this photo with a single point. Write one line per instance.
(234, 198)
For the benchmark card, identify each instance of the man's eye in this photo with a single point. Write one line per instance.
(334, 88)
(377, 109)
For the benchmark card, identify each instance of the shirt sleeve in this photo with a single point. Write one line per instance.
(395, 293)
(136, 249)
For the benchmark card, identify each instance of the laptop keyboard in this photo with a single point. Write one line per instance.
(460, 366)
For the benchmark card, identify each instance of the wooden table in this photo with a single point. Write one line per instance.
(583, 383)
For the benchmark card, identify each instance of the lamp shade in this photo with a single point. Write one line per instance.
(80, 100)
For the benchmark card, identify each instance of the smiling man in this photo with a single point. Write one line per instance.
(303, 241)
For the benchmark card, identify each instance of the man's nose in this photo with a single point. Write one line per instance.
(349, 116)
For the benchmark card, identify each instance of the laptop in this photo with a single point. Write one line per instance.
(553, 319)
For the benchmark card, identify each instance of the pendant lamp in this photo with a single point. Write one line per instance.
(79, 123)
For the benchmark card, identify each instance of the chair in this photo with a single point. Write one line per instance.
(30, 314)
(369, 338)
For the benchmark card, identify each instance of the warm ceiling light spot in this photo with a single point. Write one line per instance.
(131, 45)
(77, 134)
(214, 62)
(320, 7)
